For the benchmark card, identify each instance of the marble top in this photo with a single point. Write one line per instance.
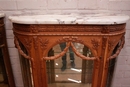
(2, 15)
(106, 18)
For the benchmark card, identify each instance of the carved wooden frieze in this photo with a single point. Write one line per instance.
(33, 29)
(68, 28)
(105, 29)
(70, 39)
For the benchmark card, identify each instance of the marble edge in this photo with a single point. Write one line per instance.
(15, 19)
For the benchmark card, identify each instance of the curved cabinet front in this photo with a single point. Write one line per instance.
(39, 39)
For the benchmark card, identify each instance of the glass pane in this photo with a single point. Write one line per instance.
(3, 75)
(26, 68)
(69, 70)
(111, 67)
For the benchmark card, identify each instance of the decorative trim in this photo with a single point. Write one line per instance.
(43, 43)
(110, 44)
(72, 34)
(35, 28)
(58, 55)
(105, 29)
(75, 51)
(118, 50)
(95, 44)
(70, 39)
(28, 43)
(80, 55)
(20, 50)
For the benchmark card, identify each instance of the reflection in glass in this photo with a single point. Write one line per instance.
(77, 72)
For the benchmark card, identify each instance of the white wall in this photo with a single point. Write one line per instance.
(11, 7)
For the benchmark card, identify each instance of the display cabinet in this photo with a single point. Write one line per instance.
(94, 40)
(6, 75)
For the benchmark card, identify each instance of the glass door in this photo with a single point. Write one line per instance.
(70, 70)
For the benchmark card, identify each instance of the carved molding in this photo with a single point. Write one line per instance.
(105, 29)
(33, 29)
(80, 55)
(68, 28)
(58, 55)
(20, 50)
(74, 50)
(70, 39)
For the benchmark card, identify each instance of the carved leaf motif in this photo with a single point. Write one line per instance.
(43, 43)
(28, 42)
(110, 44)
(95, 44)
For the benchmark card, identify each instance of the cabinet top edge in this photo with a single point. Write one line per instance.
(105, 18)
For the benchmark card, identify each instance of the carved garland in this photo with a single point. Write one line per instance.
(59, 55)
(20, 50)
(80, 55)
(118, 50)
(70, 40)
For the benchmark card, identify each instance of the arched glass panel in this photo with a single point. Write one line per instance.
(70, 70)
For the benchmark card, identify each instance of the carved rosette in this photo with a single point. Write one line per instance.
(33, 29)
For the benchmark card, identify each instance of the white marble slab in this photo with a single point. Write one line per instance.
(106, 18)
(2, 15)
